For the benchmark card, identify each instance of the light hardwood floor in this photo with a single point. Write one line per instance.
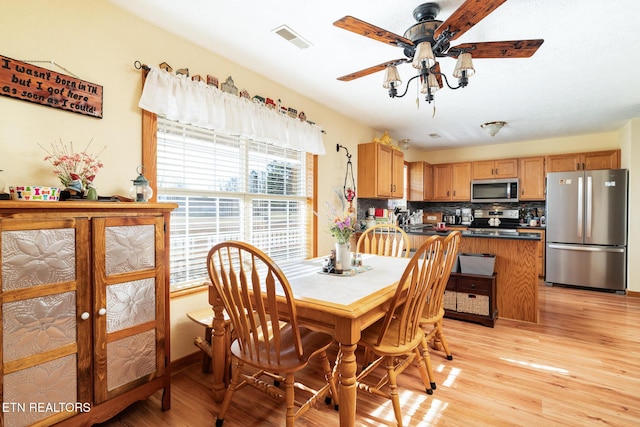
(580, 366)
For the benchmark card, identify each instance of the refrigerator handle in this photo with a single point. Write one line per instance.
(580, 206)
(589, 206)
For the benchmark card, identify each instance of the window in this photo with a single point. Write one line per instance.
(230, 187)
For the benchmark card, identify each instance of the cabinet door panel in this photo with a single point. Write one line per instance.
(37, 257)
(128, 335)
(442, 182)
(532, 178)
(131, 358)
(506, 168)
(45, 343)
(461, 181)
(45, 385)
(600, 160)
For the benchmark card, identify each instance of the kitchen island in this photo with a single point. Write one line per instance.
(516, 257)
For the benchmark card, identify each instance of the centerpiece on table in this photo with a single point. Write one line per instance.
(342, 225)
(76, 171)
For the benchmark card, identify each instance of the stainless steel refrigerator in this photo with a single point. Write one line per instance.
(587, 228)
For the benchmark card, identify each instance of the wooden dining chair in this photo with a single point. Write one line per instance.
(397, 339)
(269, 343)
(384, 239)
(433, 311)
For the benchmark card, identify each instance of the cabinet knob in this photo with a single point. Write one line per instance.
(85, 316)
(102, 311)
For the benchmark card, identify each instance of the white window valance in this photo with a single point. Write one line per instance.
(178, 98)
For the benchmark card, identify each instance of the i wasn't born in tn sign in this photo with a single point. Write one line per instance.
(35, 84)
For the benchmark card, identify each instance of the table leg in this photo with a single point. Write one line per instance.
(347, 387)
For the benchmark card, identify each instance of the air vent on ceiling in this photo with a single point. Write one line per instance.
(292, 37)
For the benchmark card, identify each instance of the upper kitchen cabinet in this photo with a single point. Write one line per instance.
(531, 177)
(380, 171)
(452, 181)
(583, 161)
(490, 169)
(420, 182)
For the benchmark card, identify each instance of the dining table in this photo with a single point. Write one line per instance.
(342, 305)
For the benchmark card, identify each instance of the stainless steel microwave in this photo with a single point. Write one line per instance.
(494, 190)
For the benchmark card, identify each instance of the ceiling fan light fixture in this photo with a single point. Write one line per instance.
(464, 66)
(423, 56)
(493, 128)
(430, 82)
(391, 77)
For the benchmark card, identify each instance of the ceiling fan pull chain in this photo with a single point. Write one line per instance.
(417, 97)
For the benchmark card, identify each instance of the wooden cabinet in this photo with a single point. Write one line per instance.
(583, 161)
(541, 248)
(380, 171)
(420, 182)
(452, 181)
(471, 297)
(490, 169)
(85, 309)
(531, 178)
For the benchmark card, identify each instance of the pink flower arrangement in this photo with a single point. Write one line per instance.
(71, 167)
(341, 226)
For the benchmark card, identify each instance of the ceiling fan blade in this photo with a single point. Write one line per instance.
(504, 49)
(466, 16)
(371, 70)
(358, 26)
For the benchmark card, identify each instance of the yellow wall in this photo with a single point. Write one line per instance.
(571, 144)
(99, 43)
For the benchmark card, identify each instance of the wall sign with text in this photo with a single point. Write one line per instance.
(42, 86)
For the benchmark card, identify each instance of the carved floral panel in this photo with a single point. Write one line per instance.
(37, 325)
(36, 257)
(130, 303)
(37, 391)
(129, 248)
(131, 358)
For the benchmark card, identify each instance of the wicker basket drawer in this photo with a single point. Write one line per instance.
(449, 301)
(472, 303)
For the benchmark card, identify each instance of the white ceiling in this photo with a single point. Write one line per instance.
(583, 79)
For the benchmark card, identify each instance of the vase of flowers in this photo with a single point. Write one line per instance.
(76, 171)
(341, 227)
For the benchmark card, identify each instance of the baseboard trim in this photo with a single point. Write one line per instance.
(185, 362)
(634, 294)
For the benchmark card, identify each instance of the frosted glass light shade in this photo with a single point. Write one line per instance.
(493, 128)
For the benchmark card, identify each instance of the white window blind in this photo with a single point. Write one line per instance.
(229, 188)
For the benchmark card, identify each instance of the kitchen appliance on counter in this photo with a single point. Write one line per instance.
(453, 219)
(586, 217)
(503, 221)
(494, 190)
(466, 218)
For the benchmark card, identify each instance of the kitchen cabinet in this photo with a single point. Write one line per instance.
(452, 181)
(609, 159)
(420, 182)
(493, 169)
(540, 251)
(380, 171)
(471, 297)
(531, 178)
(85, 308)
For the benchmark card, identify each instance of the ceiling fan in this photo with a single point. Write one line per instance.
(429, 39)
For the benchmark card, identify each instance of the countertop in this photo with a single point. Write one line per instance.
(428, 231)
